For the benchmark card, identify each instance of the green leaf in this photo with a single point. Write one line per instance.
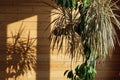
(70, 74)
(77, 70)
(74, 3)
(69, 3)
(72, 78)
(86, 2)
(76, 78)
(82, 71)
(65, 3)
(57, 2)
(65, 72)
(91, 70)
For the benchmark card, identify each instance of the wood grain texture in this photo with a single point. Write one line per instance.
(35, 17)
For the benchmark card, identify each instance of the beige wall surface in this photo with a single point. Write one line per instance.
(34, 16)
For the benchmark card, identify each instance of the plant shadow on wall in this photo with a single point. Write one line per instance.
(20, 55)
(87, 27)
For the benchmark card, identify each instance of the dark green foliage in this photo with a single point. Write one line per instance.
(86, 2)
(70, 74)
(65, 72)
(82, 72)
(67, 3)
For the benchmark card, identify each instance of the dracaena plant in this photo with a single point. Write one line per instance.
(63, 29)
(88, 27)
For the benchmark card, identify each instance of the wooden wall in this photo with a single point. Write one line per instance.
(35, 16)
(109, 69)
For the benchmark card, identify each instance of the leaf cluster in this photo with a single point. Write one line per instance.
(67, 3)
(88, 29)
(82, 72)
(96, 26)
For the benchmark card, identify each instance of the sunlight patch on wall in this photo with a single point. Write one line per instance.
(21, 49)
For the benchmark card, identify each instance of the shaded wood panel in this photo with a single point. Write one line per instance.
(34, 17)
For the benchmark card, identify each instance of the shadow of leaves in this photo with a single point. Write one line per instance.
(21, 56)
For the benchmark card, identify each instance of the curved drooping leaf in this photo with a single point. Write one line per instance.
(70, 74)
(65, 72)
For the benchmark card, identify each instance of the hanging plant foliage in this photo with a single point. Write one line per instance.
(88, 28)
(67, 3)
